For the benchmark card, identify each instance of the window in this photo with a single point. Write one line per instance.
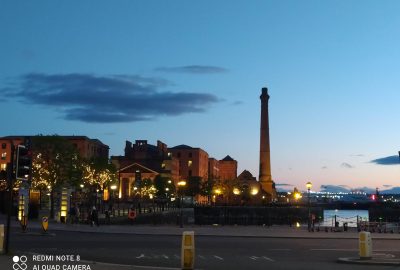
(190, 154)
(3, 166)
(169, 154)
(3, 146)
(178, 154)
(190, 172)
(3, 156)
(190, 163)
(163, 165)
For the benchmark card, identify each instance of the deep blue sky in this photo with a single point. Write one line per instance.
(191, 72)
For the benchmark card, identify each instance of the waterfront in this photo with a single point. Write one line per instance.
(344, 216)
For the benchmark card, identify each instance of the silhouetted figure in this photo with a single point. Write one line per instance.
(94, 217)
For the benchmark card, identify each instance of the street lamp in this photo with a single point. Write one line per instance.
(181, 185)
(309, 186)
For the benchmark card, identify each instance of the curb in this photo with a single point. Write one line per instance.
(354, 260)
(236, 236)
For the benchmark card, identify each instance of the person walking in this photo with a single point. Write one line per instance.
(72, 214)
(94, 217)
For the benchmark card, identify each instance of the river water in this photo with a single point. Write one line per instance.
(349, 216)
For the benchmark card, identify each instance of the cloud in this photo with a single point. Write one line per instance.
(284, 185)
(357, 155)
(387, 186)
(346, 165)
(390, 160)
(333, 188)
(193, 69)
(238, 102)
(106, 99)
(324, 167)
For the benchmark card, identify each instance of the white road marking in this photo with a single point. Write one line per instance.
(333, 249)
(201, 257)
(176, 256)
(141, 256)
(165, 256)
(279, 249)
(268, 259)
(254, 257)
(219, 258)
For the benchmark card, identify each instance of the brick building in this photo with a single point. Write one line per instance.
(144, 161)
(227, 168)
(87, 148)
(192, 161)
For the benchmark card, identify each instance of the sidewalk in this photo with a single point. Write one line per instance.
(206, 230)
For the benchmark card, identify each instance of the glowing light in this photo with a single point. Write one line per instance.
(113, 187)
(297, 196)
(182, 183)
(297, 224)
(254, 191)
(309, 185)
(236, 191)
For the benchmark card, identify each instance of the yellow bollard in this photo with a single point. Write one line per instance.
(365, 245)
(187, 254)
(1, 238)
(45, 224)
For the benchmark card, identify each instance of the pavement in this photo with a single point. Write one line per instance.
(34, 227)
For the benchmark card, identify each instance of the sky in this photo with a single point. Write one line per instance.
(191, 72)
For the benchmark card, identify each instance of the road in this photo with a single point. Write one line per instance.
(211, 252)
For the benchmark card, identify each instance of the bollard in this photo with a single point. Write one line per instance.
(365, 245)
(187, 254)
(45, 224)
(1, 238)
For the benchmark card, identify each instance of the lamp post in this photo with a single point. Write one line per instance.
(309, 185)
(181, 185)
(113, 188)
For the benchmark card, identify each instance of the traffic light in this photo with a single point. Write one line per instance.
(24, 162)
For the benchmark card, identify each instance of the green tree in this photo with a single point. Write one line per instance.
(193, 186)
(206, 188)
(55, 164)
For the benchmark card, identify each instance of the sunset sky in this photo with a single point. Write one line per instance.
(191, 72)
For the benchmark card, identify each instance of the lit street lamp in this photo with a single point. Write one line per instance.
(181, 185)
(309, 186)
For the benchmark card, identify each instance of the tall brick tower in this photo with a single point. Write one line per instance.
(265, 177)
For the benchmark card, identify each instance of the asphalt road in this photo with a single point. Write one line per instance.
(211, 252)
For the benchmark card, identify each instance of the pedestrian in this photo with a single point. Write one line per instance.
(78, 213)
(107, 214)
(94, 217)
(72, 214)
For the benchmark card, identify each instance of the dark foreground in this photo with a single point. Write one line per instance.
(211, 252)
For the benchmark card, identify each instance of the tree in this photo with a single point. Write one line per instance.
(99, 173)
(206, 188)
(144, 188)
(55, 164)
(163, 186)
(193, 186)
